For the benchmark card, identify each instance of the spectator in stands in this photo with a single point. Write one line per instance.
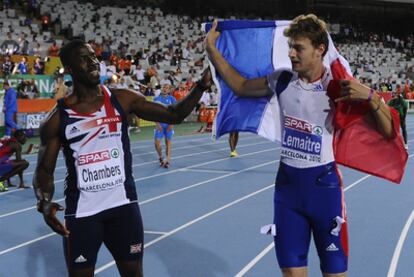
(61, 90)
(23, 45)
(36, 50)
(22, 67)
(149, 91)
(401, 105)
(9, 168)
(27, 89)
(9, 46)
(9, 108)
(138, 74)
(7, 66)
(165, 81)
(164, 129)
(53, 50)
(45, 22)
(38, 67)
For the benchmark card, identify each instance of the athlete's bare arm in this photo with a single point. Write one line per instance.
(355, 91)
(133, 102)
(43, 180)
(241, 86)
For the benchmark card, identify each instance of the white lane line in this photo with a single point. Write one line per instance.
(155, 232)
(205, 171)
(148, 200)
(174, 149)
(256, 259)
(26, 243)
(398, 248)
(204, 182)
(149, 142)
(153, 162)
(147, 177)
(52, 234)
(108, 265)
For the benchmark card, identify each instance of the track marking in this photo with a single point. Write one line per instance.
(398, 248)
(108, 265)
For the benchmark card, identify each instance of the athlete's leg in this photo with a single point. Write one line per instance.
(168, 145)
(168, 149)
(295, 272)
(15, 167)
(404, 130)
(335, 275)
(233, 139)
(329, 224)
(158, 135)
(124, 237)
(86, 272)
(82, 246)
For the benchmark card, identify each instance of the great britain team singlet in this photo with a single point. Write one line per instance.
(98, 159)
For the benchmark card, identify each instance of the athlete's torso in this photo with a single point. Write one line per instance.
(306, 119)
(98, 158)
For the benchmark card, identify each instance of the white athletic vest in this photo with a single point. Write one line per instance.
(98, 158)
(306, 119)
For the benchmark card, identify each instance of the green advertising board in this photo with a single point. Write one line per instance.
(45, 83)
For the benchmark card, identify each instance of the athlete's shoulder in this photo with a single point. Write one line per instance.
(280, 79)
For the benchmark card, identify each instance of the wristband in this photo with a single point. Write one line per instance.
(371, 93)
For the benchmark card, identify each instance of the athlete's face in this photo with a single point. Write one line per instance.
(303, 55)
(85, 66)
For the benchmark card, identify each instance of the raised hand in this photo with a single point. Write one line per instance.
(353, 90)
(212, 35)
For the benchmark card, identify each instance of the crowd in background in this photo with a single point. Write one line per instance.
(153, 58)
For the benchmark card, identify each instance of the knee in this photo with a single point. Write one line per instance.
(25, 164)
(295, 272)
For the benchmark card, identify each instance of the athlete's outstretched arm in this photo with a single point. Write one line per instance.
(43, 181)
(241, 86)
(355, 91)
(136, 103)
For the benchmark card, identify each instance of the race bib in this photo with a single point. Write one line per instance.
(99, 171)
(301, 140)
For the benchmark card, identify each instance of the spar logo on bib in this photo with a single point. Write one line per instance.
(301, 136)
(96, 157)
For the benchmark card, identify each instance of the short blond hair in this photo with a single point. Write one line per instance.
(311, 27)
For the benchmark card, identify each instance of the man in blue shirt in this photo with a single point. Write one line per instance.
(163, 129)
(22, 66)
(9, 108)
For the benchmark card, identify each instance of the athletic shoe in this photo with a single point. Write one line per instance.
(233, 154)
(3, 187)
(166, 164)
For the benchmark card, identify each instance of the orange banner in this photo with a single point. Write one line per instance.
(35, 105)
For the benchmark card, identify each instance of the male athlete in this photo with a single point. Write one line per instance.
(308, 193)
(164, 129)
(8, 167)
(101, 200)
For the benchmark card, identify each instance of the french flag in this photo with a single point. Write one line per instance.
(257, 48)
